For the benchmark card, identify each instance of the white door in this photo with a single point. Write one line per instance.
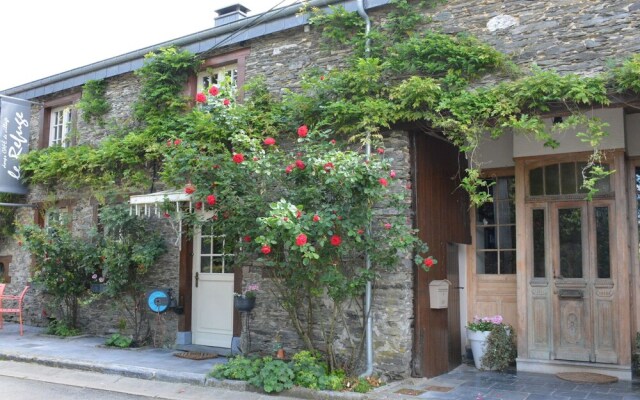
(212, 309)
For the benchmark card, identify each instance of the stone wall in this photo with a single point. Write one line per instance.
(578, 36)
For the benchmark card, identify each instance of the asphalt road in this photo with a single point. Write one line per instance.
(27, 381)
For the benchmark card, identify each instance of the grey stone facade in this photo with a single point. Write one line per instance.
(567, 35)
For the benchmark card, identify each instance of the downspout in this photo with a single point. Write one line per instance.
(367, 258)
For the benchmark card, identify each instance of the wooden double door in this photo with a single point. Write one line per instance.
(573, 258)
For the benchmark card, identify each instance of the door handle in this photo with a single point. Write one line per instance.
(197, 278)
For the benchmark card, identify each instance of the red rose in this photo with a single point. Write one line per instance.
(198, 205)
(255, 158)
(336, 240)
(380, 150)
(332, 141)
(189, 189)
(285, 219)
(387, 226)
(226, 102)
(265, 249)
(302, 131)
(301, 239)
(328, 167)
(269, 141)
(213, 90)
(298, 214)
(300, 164)
(383, 181)
(238, 158)
(201, 98)
(360, 231)
(169, 143)
(166, 215)
(392, 174)
(211, 199)
(316, 218)
(289, 168)
(247, 238)
(428, 262)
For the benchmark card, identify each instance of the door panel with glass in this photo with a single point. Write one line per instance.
(213, 277)
(583, 291)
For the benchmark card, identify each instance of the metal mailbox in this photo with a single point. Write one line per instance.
(439, 293)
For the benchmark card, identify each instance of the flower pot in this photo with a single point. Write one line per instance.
(478, 341)
(98, 287)
(244, 304)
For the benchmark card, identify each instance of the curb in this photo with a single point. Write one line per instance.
(184, 377)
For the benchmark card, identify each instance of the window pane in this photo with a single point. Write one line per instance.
(228, 265)
(568, 177)
(570, 240)
(551, 179)
(216, 265)
(486, 214)
(506, 212)
(538, 244)
(602, 242)
(205, 264)
(205, 245)
(536, 182)
(507, 237)
(487, 262)
(508, 262)
(486, 237)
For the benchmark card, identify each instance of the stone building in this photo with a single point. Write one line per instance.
(502, 259)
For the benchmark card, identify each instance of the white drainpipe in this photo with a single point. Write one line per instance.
(367, 299)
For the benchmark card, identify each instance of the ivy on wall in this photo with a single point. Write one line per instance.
(93, 102)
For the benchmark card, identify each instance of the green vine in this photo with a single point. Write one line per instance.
(8, 214)
(93, 103)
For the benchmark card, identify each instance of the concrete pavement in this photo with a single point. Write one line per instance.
(86, 361)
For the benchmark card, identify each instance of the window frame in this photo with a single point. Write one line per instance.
(45, 118)
(237, 58)
(501, 173)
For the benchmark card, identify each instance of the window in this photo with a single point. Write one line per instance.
(60, 126)
(562, 179)
(216, 69)
(496, 229)
(215, 253)
(58, 120)
(216, 76)
(57, 216)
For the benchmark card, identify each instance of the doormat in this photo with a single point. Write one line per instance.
(410, 392)
(441, 389)
(586, 377)
(194, 355)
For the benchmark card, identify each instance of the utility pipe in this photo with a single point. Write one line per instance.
(367, 259)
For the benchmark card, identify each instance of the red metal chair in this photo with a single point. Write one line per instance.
(17, 300)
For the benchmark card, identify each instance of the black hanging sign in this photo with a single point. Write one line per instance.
(15, 116)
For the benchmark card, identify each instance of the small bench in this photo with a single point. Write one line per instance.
(17, 303)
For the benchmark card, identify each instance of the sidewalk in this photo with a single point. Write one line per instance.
(88, 353)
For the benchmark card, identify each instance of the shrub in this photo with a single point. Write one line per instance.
(118, 340)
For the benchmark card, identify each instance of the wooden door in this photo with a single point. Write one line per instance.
(441, 217)
(583, 295)
(212, 291)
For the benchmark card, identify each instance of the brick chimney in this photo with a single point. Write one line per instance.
(230, 14)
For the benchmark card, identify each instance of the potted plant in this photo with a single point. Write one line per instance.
(98, 283)
(246, 300)
(492, 342)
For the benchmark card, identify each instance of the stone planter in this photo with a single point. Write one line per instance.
(244, 304)
(478, 341)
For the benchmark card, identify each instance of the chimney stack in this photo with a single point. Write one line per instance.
(230, 14)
